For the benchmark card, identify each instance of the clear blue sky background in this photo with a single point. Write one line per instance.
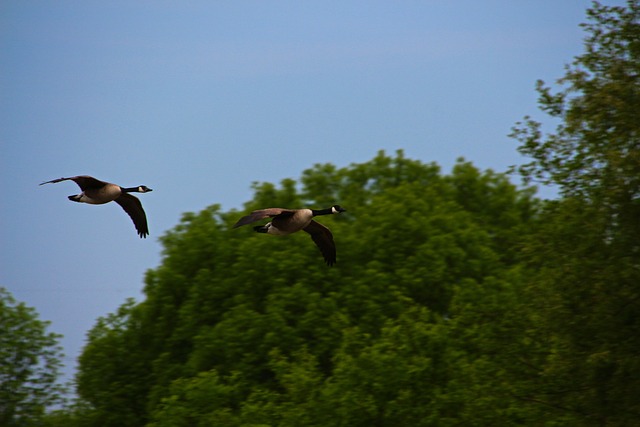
(198, 99)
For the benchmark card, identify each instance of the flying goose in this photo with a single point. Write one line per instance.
(287, 221)
(96, 192)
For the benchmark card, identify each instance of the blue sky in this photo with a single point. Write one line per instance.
(199, 99)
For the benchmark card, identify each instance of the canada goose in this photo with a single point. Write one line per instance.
(96, 192)
(287, 221)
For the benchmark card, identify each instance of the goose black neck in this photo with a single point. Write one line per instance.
(317, 212)
(129, 189)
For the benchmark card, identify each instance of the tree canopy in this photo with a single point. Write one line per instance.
(587, 255)
(244, 329)
(29, 362)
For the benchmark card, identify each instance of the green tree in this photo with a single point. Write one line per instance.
(587, 254)
(119, 377)
(243, 329)
(396, 379)
(30, 359)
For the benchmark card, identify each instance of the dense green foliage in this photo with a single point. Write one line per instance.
(587, 255)
(457, 299)
(29, 361)
(239, 328)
